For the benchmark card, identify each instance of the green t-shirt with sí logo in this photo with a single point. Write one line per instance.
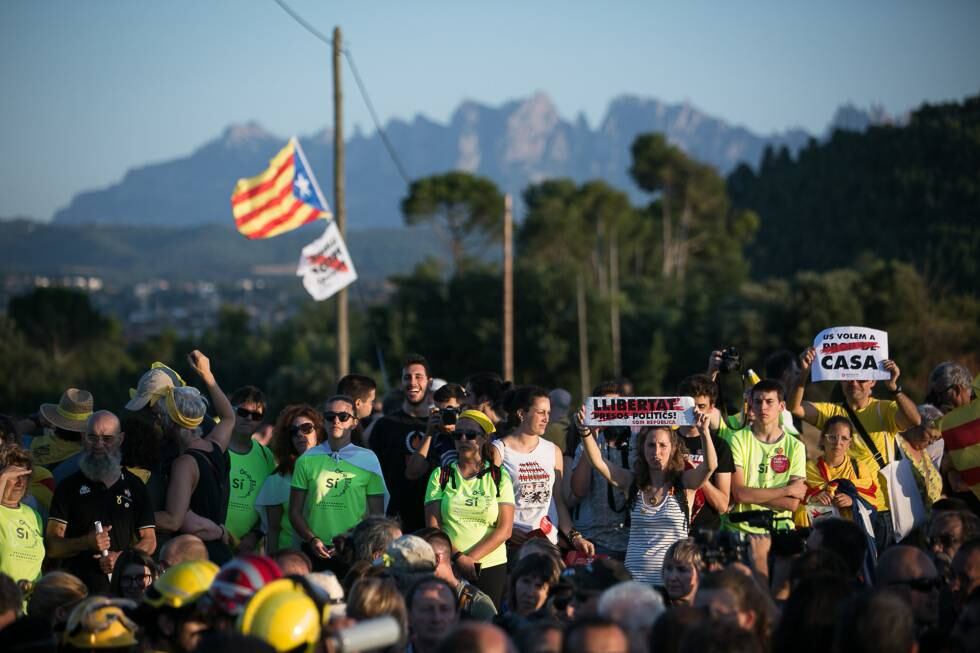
(766, 465)
(21, 543)
(337, 486)
(247, 473)
(469, 508)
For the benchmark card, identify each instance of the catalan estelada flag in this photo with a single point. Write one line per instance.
(280, 199)
(961, 434)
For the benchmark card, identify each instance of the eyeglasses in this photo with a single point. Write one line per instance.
(945, 540)
(838, 438)
(95, 438)
(340, 417)
(924, 585)
(245, 413)
(305, 428)
(135, 581)
(466, 435)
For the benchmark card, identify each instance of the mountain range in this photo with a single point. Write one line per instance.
(514, 144)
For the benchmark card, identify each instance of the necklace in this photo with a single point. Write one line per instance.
(654, 496)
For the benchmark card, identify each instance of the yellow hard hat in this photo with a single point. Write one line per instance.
(181, 585)
(99, 622)
(285, 617)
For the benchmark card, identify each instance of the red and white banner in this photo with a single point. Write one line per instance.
(325, 265)
(639, 411)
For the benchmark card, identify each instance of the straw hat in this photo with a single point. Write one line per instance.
(71, 413)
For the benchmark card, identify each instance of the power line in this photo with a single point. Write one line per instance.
(302, 21)
(362, 89)
(374, 117)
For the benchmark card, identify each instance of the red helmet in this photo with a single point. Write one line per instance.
(239, 579)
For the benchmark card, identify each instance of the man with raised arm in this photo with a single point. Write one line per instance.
(876, 423)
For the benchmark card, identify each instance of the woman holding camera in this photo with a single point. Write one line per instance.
(659, 490)
(472, 501)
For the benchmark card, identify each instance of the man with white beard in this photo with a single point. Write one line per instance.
(101, 491)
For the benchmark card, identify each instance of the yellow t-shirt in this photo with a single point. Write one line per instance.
(470, 508)
(878, 419)
(21, 543)
(41, 486)
(49, 449)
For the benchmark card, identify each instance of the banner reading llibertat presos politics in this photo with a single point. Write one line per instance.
(639, 411)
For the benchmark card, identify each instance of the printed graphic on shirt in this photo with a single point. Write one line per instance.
(535, 484)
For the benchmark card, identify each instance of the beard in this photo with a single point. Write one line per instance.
(101, 466)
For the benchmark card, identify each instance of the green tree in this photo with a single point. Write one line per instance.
(459, 205)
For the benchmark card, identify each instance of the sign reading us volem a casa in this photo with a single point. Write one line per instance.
(850, 354)
(639, 411)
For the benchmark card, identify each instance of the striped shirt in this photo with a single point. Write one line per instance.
(653, 530)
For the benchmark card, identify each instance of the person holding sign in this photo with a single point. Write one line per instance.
(659, 491)
(876, 422)
(770, 465)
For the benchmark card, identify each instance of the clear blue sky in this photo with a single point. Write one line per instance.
(89, 90)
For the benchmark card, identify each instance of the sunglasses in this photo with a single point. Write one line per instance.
(466, 435)
(924, 585)
(340, 417)
(245, 413)
(305, 428)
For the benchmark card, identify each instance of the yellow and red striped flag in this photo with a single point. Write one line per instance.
(282, 198)
(961, 434)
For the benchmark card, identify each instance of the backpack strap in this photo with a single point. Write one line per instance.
(445, 476)
(495, 475)
(863, 432)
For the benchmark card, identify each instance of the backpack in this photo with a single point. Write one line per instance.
(446, 476)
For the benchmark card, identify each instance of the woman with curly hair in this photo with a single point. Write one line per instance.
(659, 491)
(298, 428)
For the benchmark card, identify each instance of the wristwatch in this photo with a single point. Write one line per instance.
(897, 391)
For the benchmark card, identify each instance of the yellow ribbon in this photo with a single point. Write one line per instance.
(157, 365)
(177, 417)
(77, 417)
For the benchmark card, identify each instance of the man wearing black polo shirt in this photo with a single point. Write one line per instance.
(394, 438)
(101, 491)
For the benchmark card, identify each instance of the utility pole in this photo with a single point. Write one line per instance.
(508, 289)
(583, 335)
(343, 341)
(617, 354)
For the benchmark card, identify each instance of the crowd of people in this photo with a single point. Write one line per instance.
(487, 516)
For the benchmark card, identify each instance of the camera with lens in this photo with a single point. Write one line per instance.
(449, 415)
(721, 548)
(731, 361)
(620, 434)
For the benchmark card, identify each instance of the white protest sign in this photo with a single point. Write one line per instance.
(639, 411)
(850, 354)
(325, 265)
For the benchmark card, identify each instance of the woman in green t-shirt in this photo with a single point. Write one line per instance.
(21, 539)
(472, 501)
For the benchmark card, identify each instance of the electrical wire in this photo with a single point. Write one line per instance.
(360, 87)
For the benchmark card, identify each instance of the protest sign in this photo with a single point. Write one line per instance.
(639, 411)
(325, 265)
(850, 354)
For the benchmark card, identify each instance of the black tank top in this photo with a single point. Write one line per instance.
(210, 497)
